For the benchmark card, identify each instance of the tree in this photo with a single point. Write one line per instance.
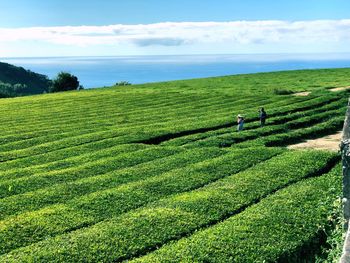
(64, 82)
(122, 83)
(20, 88)
(32, 83)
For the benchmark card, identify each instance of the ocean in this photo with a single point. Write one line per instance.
(95, 72)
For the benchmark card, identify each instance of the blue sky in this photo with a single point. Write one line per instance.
(199, 26)
(27, 13)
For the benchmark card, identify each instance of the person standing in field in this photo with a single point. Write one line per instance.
(240, 122)
(262, 116)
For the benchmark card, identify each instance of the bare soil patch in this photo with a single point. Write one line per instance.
(339, 89)
(302, 94)
(328, 143)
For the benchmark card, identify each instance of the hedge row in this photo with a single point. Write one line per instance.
(74, 123)
(93, 168)
(69, 162)
(51, 157)
(125, 101)
(226, 140)
(67, 108)
(144, 229)
(295, 136)
(278, 119)
(98, 130)
(33, 149)
(334, 124)
(22, 144)
(284, 227)
(92, 208)
(61, 193)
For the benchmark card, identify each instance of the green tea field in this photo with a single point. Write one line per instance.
(158, 172)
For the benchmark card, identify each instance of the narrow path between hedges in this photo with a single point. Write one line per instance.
(328, 143)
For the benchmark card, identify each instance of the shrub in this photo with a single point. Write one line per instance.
(282, 91)
(64, 82)
(123, 83)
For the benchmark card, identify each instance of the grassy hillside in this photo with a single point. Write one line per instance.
(16, 81)
(158, 173)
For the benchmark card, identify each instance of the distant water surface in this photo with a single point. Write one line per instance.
(106, 71)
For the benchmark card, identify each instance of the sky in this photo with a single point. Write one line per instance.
(37, 28)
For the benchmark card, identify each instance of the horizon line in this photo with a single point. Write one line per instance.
(182, 55)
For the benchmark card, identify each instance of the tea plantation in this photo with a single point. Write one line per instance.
(158, 173)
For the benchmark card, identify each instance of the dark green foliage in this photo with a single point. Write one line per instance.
(65, 82)
(6, 90)
(332, 248)
(122, 83)
(282, 91)
(17, 81)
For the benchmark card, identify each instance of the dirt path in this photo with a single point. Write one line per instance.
(339, 89)
(329, 143)
(302, 94)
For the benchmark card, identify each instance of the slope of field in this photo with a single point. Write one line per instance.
(158, 172)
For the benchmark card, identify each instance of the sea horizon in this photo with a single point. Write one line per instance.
(101, 71)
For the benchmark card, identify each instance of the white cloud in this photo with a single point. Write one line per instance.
(161, 41)
(171, 34)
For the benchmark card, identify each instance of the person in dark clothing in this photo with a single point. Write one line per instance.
(262, 116)
(240, 122)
